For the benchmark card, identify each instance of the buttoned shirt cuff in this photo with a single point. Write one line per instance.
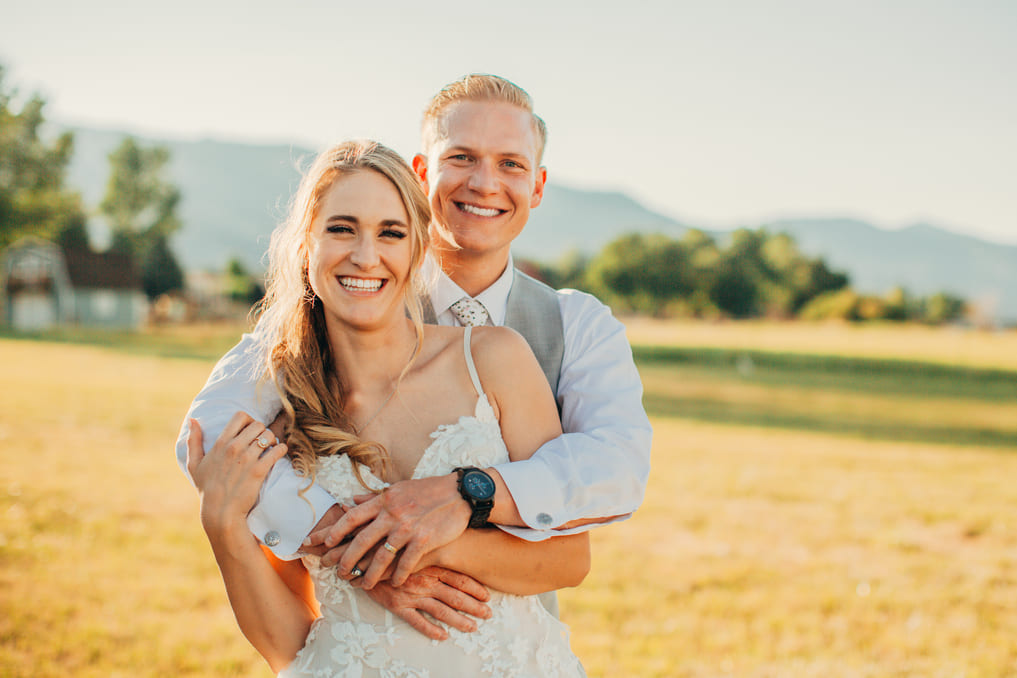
(281, 520)
(529, 534)
(538, 497)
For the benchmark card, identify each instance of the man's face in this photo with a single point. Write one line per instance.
(482, 177)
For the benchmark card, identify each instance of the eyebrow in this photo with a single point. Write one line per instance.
(355, 220)
(503, 154)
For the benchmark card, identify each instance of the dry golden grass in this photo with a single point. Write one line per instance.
(758, 552)
(772, 553)
(104, 569)
(948, 345)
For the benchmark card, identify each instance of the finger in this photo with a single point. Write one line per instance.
(358, 548)
(269, 457)
(252, 437)
(236, 442)
(468, 585)
(421, 624)
(234, 426)
(361, 567)
(329, 557)
(195, 446)
(446, 614)
(409, 561)
(363, 498)
(380, 565)
(353, 519)
(263, 445)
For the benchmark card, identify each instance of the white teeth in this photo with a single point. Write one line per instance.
(360, 284)
(479, 211)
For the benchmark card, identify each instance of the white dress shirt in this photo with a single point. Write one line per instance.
(597, 469)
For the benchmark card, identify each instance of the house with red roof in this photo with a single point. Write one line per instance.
(45, 285)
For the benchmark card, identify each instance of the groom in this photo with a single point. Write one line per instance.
(481, 167)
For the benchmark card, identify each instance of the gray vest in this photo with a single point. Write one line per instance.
(533, 312)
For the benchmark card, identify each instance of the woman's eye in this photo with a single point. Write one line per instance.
(339, 228)
(391, 233)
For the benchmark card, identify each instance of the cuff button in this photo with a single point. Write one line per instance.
(271, 538)
(544, 519)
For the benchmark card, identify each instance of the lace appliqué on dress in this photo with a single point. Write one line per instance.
(357, 638)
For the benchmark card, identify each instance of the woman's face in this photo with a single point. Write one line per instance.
(360, 252)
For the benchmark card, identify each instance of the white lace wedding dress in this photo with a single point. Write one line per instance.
(356, 637)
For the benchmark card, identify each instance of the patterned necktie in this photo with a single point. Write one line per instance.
(470, 312)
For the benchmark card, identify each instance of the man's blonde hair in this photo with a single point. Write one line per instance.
(478, 87)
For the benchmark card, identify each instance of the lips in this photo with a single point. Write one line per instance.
(479, 211)
(361, 284)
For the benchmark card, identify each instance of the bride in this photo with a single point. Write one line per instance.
(372, 396)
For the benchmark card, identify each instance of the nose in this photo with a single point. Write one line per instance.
(483, 178)
(365, 253)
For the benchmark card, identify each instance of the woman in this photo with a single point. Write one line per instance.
(366, 387)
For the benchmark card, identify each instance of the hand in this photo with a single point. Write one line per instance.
(445, 595)
(229, 477)
(414, 516)
(326, 522)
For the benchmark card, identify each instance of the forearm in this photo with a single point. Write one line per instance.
(505, 563)
(598, 469)
(271, 616)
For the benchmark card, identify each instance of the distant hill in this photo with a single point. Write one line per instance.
(922, 258)
(234, 195)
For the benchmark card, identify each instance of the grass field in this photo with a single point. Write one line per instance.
(813, 510)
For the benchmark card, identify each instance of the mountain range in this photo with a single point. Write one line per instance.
(234, 194)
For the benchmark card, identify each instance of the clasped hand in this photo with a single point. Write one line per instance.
(399, 527)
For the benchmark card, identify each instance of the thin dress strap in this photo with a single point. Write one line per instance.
(469, 360)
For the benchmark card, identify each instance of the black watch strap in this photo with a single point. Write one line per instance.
(480, 503)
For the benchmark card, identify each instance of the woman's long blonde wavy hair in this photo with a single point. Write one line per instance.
(291, 327)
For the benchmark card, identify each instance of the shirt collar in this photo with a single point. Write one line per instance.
(446, 292)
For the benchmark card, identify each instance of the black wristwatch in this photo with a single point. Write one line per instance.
(477, 488)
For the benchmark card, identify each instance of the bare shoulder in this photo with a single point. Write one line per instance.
(498, 343)
(502, 356)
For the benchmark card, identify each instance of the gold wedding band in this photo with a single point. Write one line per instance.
(388, 547)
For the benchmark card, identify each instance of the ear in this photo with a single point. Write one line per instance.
(538, 187)
(420, 167)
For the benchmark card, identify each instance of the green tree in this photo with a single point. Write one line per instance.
(160, 272)
(141, 205)
(943, 308)
(642, 272)
(241, 285)
(33, 199)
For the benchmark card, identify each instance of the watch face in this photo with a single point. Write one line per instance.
(478, 485)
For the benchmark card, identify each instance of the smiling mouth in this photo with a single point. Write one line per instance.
(361, 284)
(479, 211)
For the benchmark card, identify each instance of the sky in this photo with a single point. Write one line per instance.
(717, 114)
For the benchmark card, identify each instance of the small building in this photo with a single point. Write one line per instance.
(45, 285)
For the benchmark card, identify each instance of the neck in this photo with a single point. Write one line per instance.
(473, 273)
(371, 360)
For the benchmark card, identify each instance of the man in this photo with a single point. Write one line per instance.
(482, 148)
